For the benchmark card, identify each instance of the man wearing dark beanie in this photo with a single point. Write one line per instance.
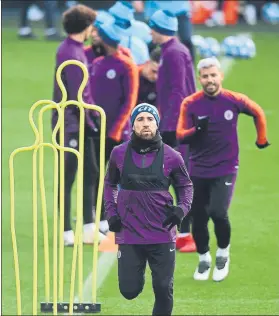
(77, 22)
(140, 209)
(176, 80)
(114, 81)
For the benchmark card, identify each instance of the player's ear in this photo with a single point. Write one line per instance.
(222, 75)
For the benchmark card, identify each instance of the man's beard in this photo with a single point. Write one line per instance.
(146, 136)
(211, 92)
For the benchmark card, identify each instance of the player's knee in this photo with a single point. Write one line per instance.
(220, 217)
(130, 292)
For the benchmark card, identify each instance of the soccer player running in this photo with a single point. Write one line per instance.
(208, 122)
(77, 22)
(176, 80)
(141, 212)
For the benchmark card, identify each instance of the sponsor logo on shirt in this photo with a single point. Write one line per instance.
(228, 115)
(145, 150)
(111, 74)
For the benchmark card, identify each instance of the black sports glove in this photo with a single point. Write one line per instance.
(115, 224)
(262, 146)
(175, 215)
(202, 124)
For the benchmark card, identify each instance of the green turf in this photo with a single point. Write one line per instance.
(253, 284)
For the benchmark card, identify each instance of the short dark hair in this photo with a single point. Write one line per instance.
(155, 54)
(78, 18)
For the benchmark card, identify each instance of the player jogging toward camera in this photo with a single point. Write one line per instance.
(141, 210)
(208, 123)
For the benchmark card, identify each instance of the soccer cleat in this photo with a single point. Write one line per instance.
(202, 271)
(89, 233)
(29, 36)
(221, 269)
(69, 238)
(55, 37)
(189, 245)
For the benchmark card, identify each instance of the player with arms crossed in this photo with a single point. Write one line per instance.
(208, 122)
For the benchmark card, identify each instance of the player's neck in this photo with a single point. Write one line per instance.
(77, 37)
(166, 39)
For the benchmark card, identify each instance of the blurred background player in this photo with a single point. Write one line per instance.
(77, 23)
(114, 81)
(246, 8)
(208, 122)
(96, 48)
(51, 32)
(181, 9)
(142, 213)
(176, 80)
(123, 15)
(148, 77)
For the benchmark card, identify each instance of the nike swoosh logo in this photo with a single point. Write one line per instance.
(228, 183)
(171, 250)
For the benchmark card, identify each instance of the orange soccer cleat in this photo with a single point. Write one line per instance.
(186, 244)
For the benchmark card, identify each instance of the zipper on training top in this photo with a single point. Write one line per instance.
(143, 161)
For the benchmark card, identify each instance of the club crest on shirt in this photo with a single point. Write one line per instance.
(228, 115)
(73, 143)
(111, 74)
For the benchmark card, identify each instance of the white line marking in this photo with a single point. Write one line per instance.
(105, 263)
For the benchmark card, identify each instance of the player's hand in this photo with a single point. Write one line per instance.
(262, 146)
(115, 224)
(175, 215)
(202, 124)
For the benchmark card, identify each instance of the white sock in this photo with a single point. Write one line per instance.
(223, 252)
(104, 225)
(24, 30)
(88, 226)
(183, 234)
(205, 257)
